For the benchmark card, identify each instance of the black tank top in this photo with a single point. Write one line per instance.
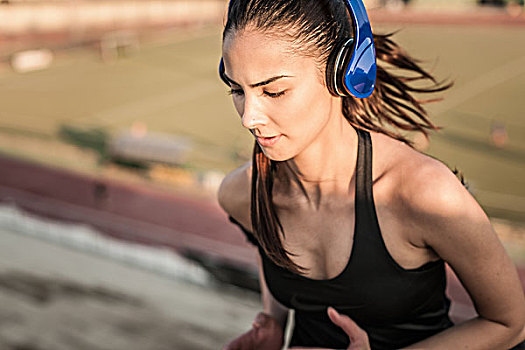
(395, 306)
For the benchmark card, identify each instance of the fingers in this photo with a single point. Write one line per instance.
(260, 320)
(230, 346)
(265, 334)
(238, 344)
(357, 335)
(343, 321)
(245, 341)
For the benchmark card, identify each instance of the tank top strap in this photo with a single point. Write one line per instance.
(366, 220)
(360, 185)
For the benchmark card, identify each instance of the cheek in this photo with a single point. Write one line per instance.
(309, 112)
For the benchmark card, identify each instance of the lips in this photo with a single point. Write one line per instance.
(268, 141)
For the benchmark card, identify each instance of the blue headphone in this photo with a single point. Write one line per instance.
(351, 67)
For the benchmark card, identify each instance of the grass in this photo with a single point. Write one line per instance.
(173, 87)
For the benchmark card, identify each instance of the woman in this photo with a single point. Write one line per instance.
(352, 224)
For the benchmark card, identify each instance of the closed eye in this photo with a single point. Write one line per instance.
(275, 94)
(267, 93)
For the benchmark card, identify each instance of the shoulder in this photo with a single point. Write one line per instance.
(234, 194)
(422, 190)
(428, 188)
(429, 198)
(416, 181)
(440, 213)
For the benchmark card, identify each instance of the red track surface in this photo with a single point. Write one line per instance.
(148, 216)
(133, 213)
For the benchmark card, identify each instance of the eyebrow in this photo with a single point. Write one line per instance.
(262, 83)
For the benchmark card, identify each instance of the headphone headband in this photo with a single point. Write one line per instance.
(360, 73)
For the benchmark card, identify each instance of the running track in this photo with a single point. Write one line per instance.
(192, 227)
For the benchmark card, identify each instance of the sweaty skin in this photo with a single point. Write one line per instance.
(423, 210)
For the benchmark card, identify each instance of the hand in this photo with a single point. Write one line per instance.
(266, 334)
(358, 337)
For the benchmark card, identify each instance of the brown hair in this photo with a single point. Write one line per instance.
(314, 27)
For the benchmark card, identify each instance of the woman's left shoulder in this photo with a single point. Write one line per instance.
(424, 186)
(440, 214)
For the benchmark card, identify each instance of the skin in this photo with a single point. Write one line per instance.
(424, 212)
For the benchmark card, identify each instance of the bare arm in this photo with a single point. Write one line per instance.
(271, 306)
(453, 224)
(447, 219)
(268, 326)
(234, 198)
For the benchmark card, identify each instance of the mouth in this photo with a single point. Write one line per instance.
(268, 141)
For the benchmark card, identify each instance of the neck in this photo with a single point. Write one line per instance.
(325, 169)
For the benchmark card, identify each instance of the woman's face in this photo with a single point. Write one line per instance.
(280, 96)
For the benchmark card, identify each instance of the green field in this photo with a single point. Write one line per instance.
(172, 86)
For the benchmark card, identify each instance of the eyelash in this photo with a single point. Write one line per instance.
(269, 94)
(235, 92)
(275, 95)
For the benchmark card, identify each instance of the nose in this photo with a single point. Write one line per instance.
(252, 115)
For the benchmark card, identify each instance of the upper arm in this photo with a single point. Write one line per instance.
(270, 305)
(234, 194)
(452, 223)
(234, 198)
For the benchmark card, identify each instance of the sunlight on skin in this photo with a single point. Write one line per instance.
(297, 106)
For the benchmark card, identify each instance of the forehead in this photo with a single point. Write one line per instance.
(252, 55)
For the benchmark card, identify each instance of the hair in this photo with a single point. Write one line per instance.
(314, 28)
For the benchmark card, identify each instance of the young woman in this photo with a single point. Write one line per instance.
(353, 225)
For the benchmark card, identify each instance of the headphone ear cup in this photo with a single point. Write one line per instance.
(331, 69)
(342, 68)
(221, 72)
(337, 66)
(364, 69)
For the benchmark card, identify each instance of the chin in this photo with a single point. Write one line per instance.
(277, 157)
(282, 159)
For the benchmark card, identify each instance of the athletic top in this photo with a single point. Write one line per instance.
(395, 306)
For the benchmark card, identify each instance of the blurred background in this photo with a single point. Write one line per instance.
(115, 133)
